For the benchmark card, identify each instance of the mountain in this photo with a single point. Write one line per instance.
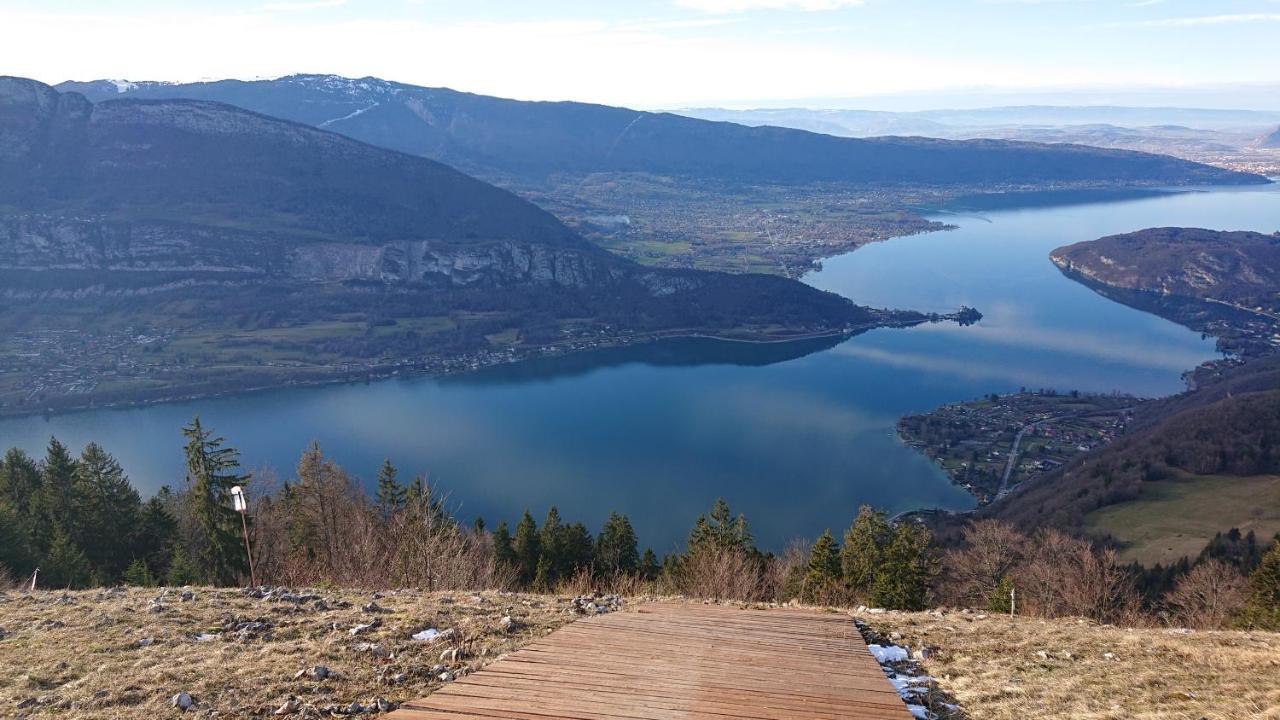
(1222, 283)
(495, 137)
(249, 244)
(1272, 140)
(1241, 268)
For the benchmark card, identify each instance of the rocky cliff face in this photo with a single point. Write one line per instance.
(33, 242)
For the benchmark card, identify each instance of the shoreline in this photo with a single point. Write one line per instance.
(394, 371)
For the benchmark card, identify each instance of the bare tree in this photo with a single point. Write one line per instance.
(1207, 596)
(992, 549)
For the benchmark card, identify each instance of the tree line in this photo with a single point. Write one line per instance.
(78, 520)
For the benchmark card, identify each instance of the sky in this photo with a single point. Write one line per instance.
(651, 54)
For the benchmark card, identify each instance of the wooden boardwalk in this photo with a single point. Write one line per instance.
(667, 661)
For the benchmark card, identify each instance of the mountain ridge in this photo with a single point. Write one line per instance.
(494, 136)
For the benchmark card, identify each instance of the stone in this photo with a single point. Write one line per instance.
(289, 707)
(183, 701)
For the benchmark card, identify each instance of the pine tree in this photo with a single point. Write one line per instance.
(211, 473)
(65, 565)
(391, 494)
(19, 482)
(527, 549)
(106, 508)
(15, 549)
(864, 545)
(57, 492)
(503, 553)
(139, 575)
(577, 549)
(154, 537)
(616, 551)
(542, 579)
(908, 568)
(649, 565)
(182, 570)
(822, 573)
(1262, 611)
(721, 530)
(551, 541)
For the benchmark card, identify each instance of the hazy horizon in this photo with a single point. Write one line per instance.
(655, 54)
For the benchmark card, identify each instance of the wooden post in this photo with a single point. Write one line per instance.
(244, 524)
(1013, 601)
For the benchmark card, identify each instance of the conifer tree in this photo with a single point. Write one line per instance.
(15, 548)
(908, 567)
(551, 542)
(138, 574)
(65, 565)
(106, 507)
(57, 490)
(862, 555)
(154, 537)
(542, 579)
(616, 551)
(211, 473)
(577, 549)
(391, 494)
(182, 570)
(19, 482)
(503, 552)
(822, 573)
(649, 565)
(721, 530)
(1262, 611)
(527, 549)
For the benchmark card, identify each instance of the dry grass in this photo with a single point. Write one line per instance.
(79, 654)
(994, 667)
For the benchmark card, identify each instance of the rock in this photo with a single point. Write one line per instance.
(374, 649)
(508, 625)
(372, 607)
(366, 627)
(319, 672)
(289, 707)
(1108, 656)
(355, 708)
(182, 701)
(445, 677)
(385, 705)
(145, 642)
(1042, 655)
(186, 596)
(29, 702)
(453, 655)
(923, 653)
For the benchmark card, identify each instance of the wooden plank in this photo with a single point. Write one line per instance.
(674, 661)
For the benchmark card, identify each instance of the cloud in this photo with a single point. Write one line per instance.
(728, 7)
(302, 5)
(1212, 20)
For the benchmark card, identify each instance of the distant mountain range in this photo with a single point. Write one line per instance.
(1272, 140)
(497, 138)
(944, 123)
(176, 218)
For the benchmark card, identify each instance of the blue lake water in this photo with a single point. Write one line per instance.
(795, 435)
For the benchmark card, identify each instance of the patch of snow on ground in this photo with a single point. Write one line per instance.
(888, 653)
(426, 635)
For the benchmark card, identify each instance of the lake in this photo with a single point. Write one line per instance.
(795, 435)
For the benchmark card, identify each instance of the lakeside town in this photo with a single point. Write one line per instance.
(991, 445)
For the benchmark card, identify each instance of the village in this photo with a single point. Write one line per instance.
(972, 441)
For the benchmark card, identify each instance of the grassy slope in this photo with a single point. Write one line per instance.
(1176, 518)
(992, 666)
(91, 666)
